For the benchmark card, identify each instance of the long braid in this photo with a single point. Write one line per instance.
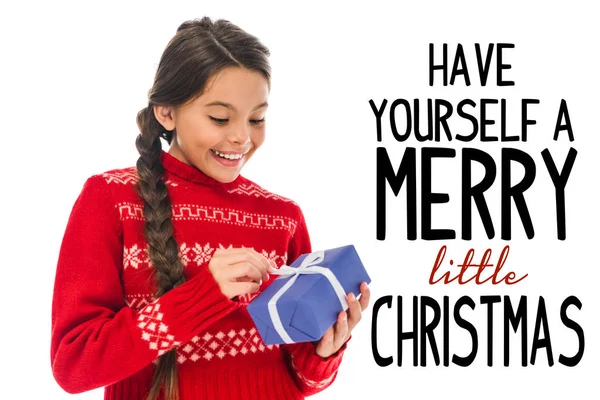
(199, 50)
(158, 230)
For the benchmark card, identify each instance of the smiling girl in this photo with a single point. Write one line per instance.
(159, 261)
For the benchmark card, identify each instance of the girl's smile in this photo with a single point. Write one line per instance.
(229, 159)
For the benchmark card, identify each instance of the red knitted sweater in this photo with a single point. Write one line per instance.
(108, 329)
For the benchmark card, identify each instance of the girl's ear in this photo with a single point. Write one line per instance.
(165, 116)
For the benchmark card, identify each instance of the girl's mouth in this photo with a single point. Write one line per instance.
(228, 160)
(228, 156)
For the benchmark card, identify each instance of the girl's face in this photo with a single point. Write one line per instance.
(219, 131)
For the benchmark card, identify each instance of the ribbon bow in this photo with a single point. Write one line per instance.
(308, 266)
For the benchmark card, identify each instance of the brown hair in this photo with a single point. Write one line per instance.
(199, 49)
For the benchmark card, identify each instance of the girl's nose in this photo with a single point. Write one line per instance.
(240, 134)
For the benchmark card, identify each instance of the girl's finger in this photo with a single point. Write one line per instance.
(365, 296)
(263, 260)
(240, 288)
(327, 339)
(241, 270)
(341, 330)
(354, 309)
(234, 256)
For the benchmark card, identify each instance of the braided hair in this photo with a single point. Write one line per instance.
(199, 49)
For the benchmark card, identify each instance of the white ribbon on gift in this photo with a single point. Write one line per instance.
(308, 266)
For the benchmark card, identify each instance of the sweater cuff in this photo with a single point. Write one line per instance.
(178, 315)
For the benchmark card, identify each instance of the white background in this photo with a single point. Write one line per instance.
(73, 77)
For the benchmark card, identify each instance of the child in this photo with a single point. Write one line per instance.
(159, 261)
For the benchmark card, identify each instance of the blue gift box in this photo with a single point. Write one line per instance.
(306, 305)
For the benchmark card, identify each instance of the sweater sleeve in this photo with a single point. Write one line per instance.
(312, 373)
(96, 339)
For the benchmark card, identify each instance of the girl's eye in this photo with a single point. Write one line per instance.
(223, 121)
(219, 121)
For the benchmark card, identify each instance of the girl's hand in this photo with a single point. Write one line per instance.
(335, 337)
(239, 271)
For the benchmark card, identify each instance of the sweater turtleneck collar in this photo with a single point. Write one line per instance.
(190, 173)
